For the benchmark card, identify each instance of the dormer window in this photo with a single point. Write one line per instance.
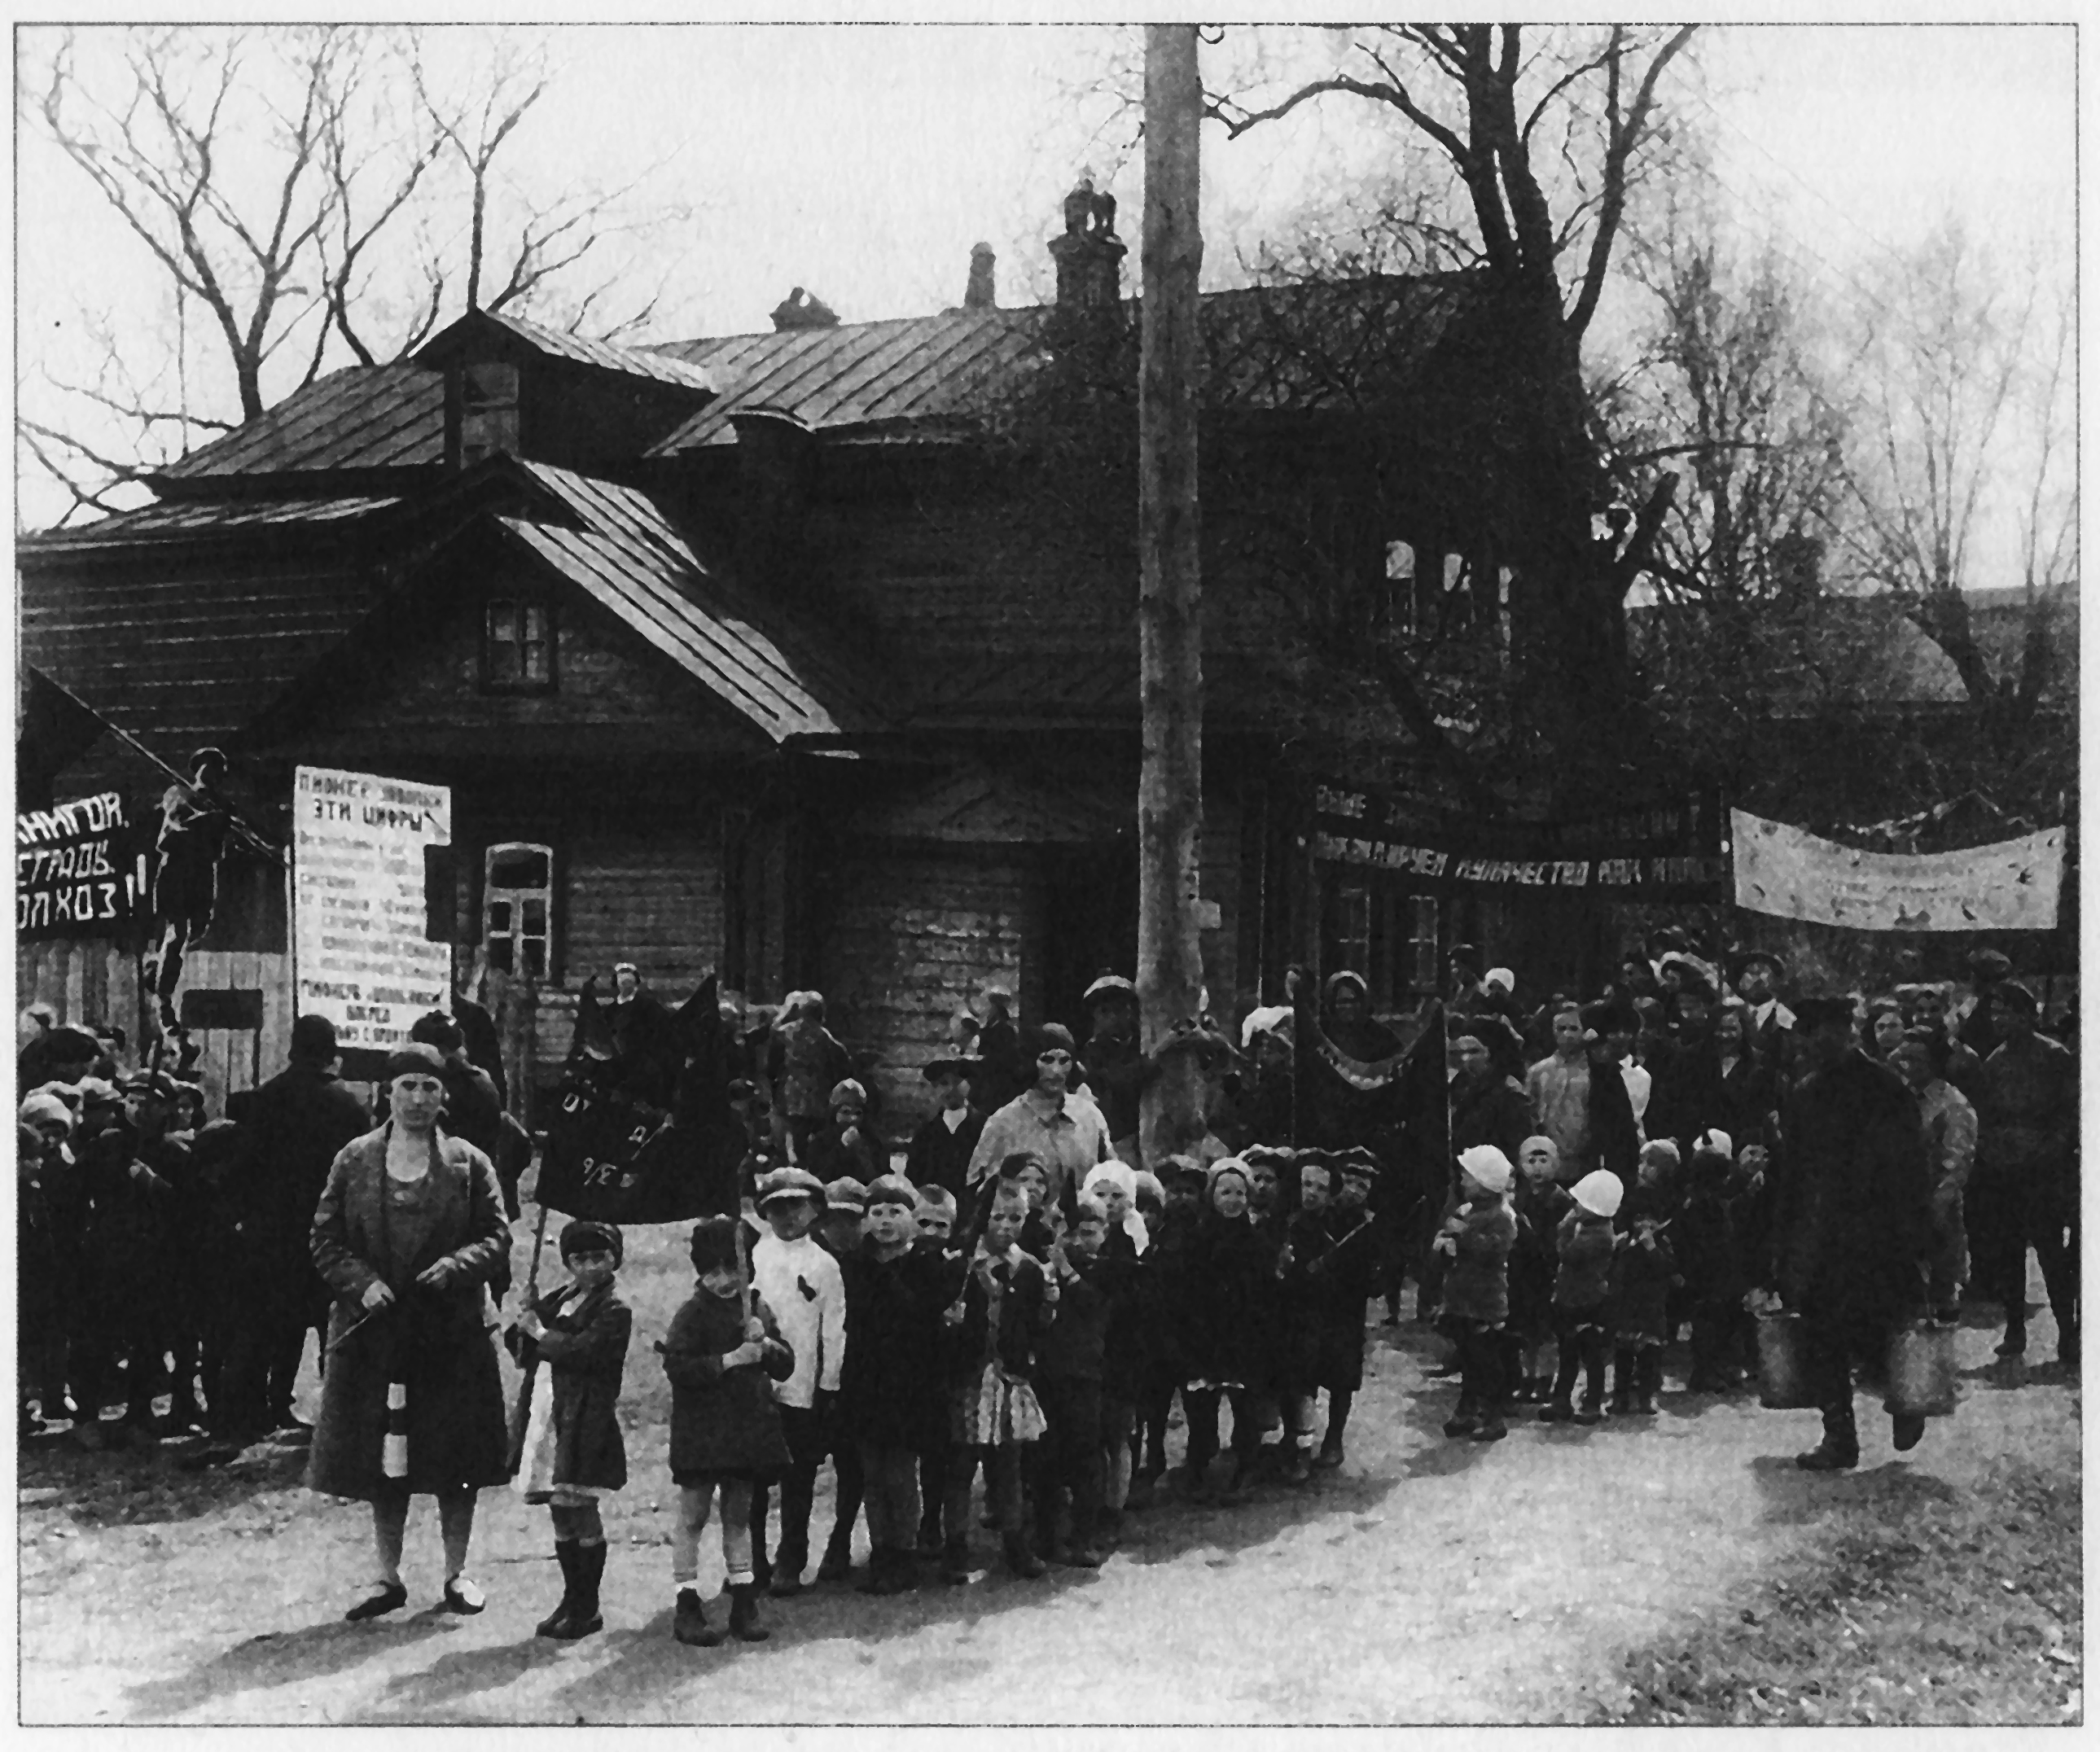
(488, 409)
(518, 645)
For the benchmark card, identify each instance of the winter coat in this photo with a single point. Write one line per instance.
(1025, 1317)
(1076, 1346)
(1476, 1287)
(456, 1434)
(293, 1128)
(1642, 1275)
(724, 1422)
(1709, 1252)
(1334, 1256)
(1118, 1074)
(1127, 1343)
(890, 1387)
(1164, 1290)
(829, 1157)
(1582, 1277)
(1231, 1311)
(1848, 1222)
(938, 1157)
(1533, 1259)
(584, 1349)
(1492, 1111)
(1749, 1101)
(2027, 1119)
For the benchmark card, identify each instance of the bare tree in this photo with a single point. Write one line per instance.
(1500, 108)
(1964, 369)
(308, 196)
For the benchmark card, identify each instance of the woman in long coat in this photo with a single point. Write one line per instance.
(408, 1231)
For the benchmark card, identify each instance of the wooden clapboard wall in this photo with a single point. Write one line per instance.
(93, 980)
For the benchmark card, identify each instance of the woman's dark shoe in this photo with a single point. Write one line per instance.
(1559, 1412)
(1825, 1458)
(743, 1623)
(390, 1597)
(689, 1621)
(1021, 1560)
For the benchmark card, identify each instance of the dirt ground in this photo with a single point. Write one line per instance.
(1429, 1580)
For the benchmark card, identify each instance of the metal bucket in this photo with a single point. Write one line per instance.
(1783, 1377)
(1921, 1375)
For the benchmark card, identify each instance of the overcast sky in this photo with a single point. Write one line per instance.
(862, 162)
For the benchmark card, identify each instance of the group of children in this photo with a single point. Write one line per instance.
(1594, 1268)
(914, 1343)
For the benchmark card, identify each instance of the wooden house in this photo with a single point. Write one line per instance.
(809, 654)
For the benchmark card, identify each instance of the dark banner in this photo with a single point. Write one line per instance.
(1664, 851)
(616, 1160)
(79, 870)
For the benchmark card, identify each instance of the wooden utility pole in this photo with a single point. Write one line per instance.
(1169, 792)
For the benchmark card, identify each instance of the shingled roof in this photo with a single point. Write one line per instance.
(912, 379)
(626, 556)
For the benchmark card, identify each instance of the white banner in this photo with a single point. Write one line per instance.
(2011, 886)
(357, 903)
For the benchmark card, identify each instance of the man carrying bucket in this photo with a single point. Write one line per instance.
(1851, 1224)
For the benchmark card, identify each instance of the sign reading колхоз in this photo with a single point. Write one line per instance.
(357, 913)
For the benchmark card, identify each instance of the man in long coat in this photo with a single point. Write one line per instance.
(1850, 1227)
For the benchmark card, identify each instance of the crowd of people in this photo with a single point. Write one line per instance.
(1569, 1185)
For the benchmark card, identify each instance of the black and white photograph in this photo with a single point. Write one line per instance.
(1047, 874)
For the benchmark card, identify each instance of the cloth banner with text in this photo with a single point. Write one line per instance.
(2013, 885)
(81, 869)
(1666, 851)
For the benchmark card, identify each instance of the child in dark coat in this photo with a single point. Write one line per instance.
(1071, 1363)
(1585, 1244)
(569, 1445)
(890, 1393)
(1170, 1262)
(1229, 1319)
(1644, 1273)
(1326, 1268)
(1476, 1238)
(1710, 1256)
(936, 1217)
(1006, 1306)
(725, 1427)
(1540, 1203)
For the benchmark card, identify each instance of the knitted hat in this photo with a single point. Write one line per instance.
(892, 1189)
(1600, 1193)
(156, 1083)
(1487, 1165)
(1047, 1037)
(846, 1194)
(438, 1029)
(1987, 964)
(714, 1243)
(584, 1236)
(849, 1093)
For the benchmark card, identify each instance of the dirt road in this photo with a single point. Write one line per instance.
(1430, 1581)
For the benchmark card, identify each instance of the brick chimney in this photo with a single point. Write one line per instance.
(980, 294)
(1089, 255)
(798, 310)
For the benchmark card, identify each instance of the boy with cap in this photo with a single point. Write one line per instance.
(940, 1151)
(1477, 1240)
(568, 1447)
(725, 1427)
(890, 1402)
(800, 1282)
(1581, 1292)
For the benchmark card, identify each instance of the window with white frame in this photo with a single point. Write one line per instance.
(517, 908)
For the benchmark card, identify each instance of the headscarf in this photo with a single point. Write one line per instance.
(1217, 1171)
(1600, 1193)
(415, 1058)
(1122, 1176)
